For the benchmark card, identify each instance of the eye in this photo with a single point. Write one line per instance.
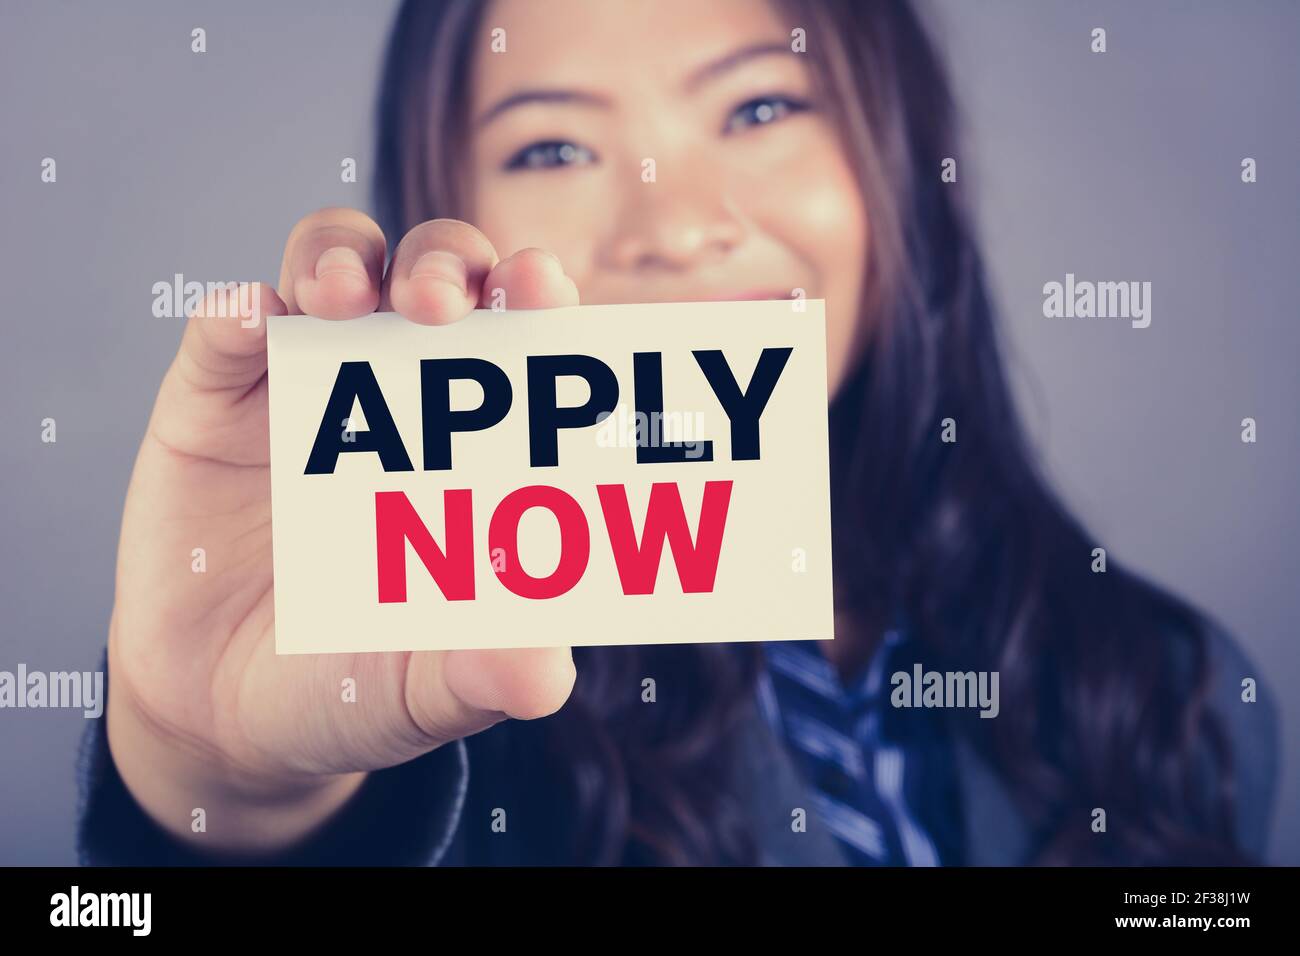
(763, 110)
(550, 154)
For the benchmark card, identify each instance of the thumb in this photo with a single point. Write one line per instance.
(453, 694)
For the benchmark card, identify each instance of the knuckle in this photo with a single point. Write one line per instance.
(333, 218)
(224, 300)
(536, 252)
(459, 236)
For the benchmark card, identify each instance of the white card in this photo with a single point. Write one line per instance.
(606, 474)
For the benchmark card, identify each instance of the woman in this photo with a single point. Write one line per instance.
(794, 146)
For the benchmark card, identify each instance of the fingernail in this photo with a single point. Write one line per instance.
(341, 260)
(441, 265)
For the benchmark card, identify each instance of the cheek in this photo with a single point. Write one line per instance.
(838, 237)
(815, 210)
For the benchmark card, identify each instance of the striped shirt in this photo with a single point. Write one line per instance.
(881, 777)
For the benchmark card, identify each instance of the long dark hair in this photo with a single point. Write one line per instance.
(1103, 676)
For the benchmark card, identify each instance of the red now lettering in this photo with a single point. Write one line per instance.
(396, 523)
(575, 541)
(697, 561)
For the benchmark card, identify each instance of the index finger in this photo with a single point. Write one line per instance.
(333, 265)
(437, 271)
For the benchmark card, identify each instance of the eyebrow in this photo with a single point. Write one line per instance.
(714, 68)
(574, 97)
(697, 78)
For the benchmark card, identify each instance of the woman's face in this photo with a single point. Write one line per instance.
(751, 194)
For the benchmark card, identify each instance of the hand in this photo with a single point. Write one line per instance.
(202, 713)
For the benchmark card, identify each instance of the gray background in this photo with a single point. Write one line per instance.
(1116, 166)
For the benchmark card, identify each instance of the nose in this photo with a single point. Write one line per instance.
(681, 220)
